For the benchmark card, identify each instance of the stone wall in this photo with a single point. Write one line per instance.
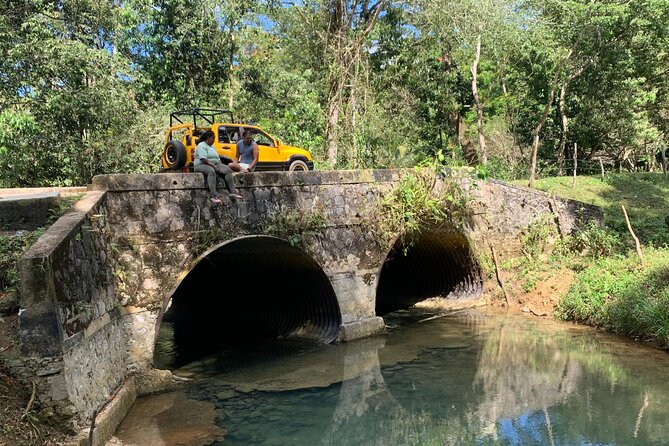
(503, 211)
(72, 342)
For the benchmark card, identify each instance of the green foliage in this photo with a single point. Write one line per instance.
(12, 248)
(538, 235)
(19, 159)
(617, 294)
(422, 198)
(595, 241)
(87, 86)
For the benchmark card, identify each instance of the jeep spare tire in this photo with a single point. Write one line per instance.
(298, 165)
(174, 154)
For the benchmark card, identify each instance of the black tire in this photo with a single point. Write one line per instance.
(298, 166)
(174, 155)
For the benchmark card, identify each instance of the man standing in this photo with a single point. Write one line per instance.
(207, 161)
(246, 156)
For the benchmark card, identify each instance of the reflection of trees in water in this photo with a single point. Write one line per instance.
(519, 373)
(535, 383)
(391, 407)
(563, 388)
(363, 397)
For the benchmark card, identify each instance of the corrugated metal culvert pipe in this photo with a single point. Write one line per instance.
(431, 264)
(254, 288)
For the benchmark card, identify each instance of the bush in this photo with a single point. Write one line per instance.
(538, 235)
(595, 241)
(618, 294)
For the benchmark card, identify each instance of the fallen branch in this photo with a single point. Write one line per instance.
(498, 274)
(636, 239)
(438, 316)
(30, 402)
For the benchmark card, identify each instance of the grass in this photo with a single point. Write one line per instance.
(645, 196)
(618, 294)
(611, 289)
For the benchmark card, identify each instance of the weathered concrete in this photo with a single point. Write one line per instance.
(26, 212)
(94, 287)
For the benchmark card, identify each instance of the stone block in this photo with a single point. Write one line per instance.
(361, 329)
(27, 212)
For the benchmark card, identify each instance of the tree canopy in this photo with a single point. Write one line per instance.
(86, 86)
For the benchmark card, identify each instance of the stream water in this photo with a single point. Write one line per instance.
(471, 378)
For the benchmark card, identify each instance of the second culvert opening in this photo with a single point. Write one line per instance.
(432, 264)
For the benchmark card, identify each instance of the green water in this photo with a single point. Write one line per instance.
(472, 378)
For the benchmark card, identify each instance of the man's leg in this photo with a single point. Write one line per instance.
(235, 166)
(226, 173)
(210, 175)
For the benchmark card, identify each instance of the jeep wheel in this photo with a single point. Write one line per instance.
(298, 166)
(174, 154)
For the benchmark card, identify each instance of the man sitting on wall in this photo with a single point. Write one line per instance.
(246, 156)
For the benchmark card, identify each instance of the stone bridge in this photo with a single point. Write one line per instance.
(299, 256)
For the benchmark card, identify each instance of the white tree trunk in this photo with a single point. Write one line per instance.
(483, 153)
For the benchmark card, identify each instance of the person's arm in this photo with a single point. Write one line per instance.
(256, 154)
(236, 160)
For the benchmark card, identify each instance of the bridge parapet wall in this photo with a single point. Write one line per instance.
(73, 343)
(503, 211)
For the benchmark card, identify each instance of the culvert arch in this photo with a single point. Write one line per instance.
(253, 288)
(429, 264)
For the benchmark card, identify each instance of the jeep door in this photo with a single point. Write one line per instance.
(226, 140)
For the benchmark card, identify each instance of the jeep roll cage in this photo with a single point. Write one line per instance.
(207, 114)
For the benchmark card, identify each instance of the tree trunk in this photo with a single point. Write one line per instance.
(343, 42)
(483, 154)
(565, 127)
(537, 130)
(353, 112)
(231, 66)
(562, 150)
(331, 125)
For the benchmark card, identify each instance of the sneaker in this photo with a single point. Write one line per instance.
(235, 196)
(216, 201)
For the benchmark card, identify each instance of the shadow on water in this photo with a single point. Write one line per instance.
(468, 378)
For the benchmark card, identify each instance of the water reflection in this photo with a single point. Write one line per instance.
(469, 378)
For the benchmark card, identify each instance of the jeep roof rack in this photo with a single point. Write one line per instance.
(206, 114)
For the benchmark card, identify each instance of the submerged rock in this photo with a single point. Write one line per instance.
(170, 419)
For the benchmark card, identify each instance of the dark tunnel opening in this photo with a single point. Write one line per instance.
(251, 289)
(433, 264)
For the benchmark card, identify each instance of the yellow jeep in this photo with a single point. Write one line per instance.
(186, 127)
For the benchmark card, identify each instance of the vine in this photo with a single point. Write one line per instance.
(423, 198)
